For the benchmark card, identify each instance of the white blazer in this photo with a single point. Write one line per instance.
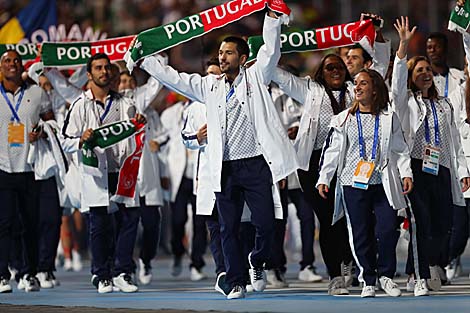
(83, 115)
(309, 93)
(177, 156)
(411, 111)
(252, 93)
(394, 159)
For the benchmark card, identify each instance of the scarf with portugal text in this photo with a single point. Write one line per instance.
(107, 136)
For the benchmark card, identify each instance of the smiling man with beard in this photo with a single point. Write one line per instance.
(98, 106)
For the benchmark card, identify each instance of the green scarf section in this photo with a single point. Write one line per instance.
(161, 38)
(105, 137)
(460, 18)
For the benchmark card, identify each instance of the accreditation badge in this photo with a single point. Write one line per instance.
(431, 160)
(362, 174)
(15, 134)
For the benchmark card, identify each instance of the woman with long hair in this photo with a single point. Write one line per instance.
(327, 94)
(368, 152)
(437, 161)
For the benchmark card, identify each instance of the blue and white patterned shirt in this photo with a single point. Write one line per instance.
(241, 142)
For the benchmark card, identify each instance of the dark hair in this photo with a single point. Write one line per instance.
(12, 50)
(365, 55)
(242, 45)
(126, 72)
(95, 57)
(381, 97)
(213, 61)
(440, 37)
(411, 64)
(320, 78)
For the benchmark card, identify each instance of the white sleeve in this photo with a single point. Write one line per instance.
(63, 87)
(292, 85)
(192, 86)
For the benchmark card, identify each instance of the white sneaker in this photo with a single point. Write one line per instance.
(276, 279)
(434, 283)
(389, 286)
(45, 281)
(420, 288)
(249, 288)
(124, 283)
(337, 287)
(237, 292)
(76, 261)
(20, 285)
(220, 284)
(368, 292)
(30, 283)
(105, 286)
(68, 265)
(145, 274)
(55, 281)
(257, 276)
(309, 274)
(197, 275)
(5, 286)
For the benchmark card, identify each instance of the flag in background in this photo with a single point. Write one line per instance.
(38, 14)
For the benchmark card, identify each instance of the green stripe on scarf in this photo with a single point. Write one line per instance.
(107, 136)
(27, 52)
(163, 37)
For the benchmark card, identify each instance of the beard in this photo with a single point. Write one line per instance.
(101, 83)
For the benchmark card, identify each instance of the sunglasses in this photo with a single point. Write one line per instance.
(334, 66)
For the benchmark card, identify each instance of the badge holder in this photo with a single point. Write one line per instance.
(362, 174)
(15, 134)
(431, 157)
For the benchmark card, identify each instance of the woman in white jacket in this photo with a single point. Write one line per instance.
(327, 94)
(437, 159)
(366, 150)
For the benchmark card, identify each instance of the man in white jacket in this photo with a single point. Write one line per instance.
(95, 107)
(249, 147)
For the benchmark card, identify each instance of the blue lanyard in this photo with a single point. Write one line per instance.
(230, 94)
(362, 145)
(106, 110)
(437, 135)
(14, 110)
(446, 92)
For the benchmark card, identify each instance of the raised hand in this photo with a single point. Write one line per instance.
(402, 26)
(403, 29)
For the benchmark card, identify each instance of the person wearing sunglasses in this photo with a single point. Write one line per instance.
(327, 94)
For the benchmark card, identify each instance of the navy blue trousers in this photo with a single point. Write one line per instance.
(277, 259)
(112, 237)
(333, 238)
(307, 226)
(179, 217)
(247, 180)
(460, 230)
(150, 218)
(431, 203)
(215, 243)
(50, 218)
(19, 202)
(372, 223)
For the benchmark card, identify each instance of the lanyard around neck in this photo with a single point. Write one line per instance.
(14, 110)
(362, 146)
(106, 110)
(437, 135)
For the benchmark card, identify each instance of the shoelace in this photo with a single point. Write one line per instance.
(237, 289)
(128, 279)
(390, 284)
(258, 273)
(106, 282)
